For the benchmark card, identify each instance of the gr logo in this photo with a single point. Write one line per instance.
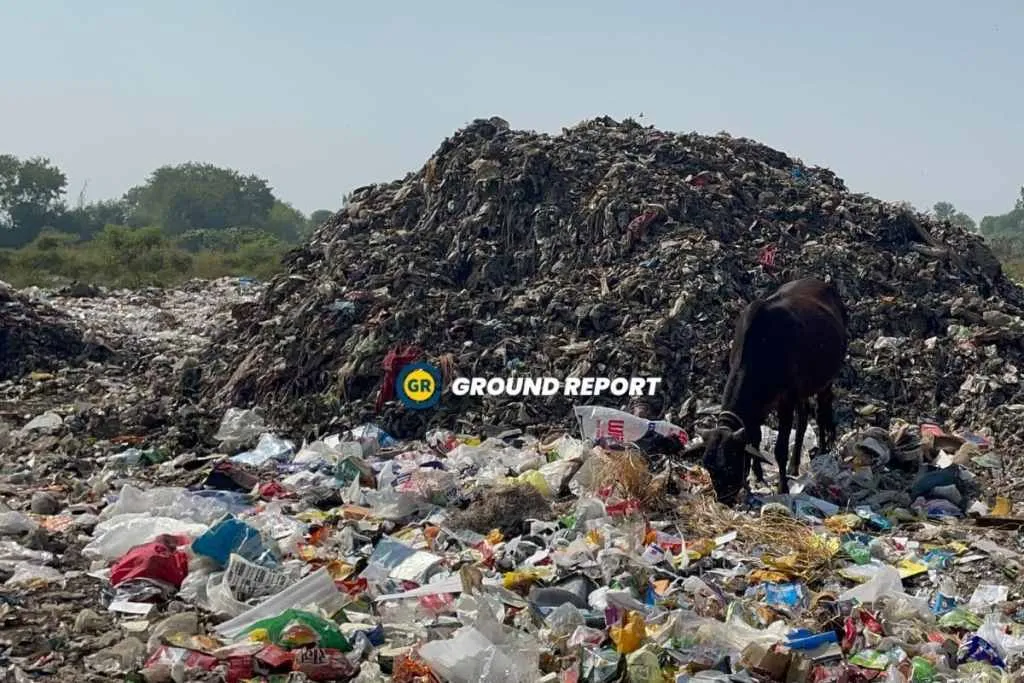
(418, 386)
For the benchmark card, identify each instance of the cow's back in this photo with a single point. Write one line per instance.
(795, 339)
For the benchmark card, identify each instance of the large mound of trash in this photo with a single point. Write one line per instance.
(36, 337)
(615, 249)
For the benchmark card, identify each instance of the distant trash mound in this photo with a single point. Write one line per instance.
(35, 337)
(615, 249)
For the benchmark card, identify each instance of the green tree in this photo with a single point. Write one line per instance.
(945, 211)
(285, 222)
(320, 216)
(89, 219)
(1009, 225)
(31, 193)
(194, 196)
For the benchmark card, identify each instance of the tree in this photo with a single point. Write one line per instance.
(285, 222)
(194, 196)
(89, 219)
(31, 193)
(320, 216)
(316, 219)
(945, 211)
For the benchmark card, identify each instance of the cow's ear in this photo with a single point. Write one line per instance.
(740, 434)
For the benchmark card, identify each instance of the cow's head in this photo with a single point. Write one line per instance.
(724, 459)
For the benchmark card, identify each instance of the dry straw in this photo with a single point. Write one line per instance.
(780, 542)
(627, 474)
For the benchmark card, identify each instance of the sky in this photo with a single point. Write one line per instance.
(904, 99)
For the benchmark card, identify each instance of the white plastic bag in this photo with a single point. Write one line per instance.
(26, 573)
(115, 537)
(469, 657)
(239, 426)
(886, 581)
(598, 422)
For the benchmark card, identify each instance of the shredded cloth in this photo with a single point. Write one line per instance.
(395, 360)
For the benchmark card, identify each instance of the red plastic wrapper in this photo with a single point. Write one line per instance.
(239, 669)
(409, 670)
(321, 664)
(169, 656)
(273, 489)
(159, 560)
(275, 657)
(354, 587)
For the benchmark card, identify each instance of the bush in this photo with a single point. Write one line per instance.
(121, 256)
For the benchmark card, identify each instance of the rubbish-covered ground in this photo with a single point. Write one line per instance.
(154, 527)
(356, 557)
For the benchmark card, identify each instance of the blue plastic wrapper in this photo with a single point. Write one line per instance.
(943, 604)
(232, 536)
(786, 595)
(874, 519)
(977, 649)
(804, 639)
(938, 559)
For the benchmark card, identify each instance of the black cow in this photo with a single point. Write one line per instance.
(787, 348)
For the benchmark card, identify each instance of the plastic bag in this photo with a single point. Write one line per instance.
(598, 422)
(555, 473)
(630, 636)
(885, 581)
(564, 620)
(316, 589)
(643, 667)
(737, 635)
(176, 664)
(987, 595)
(28, 574)
(470, 657)
(270, 447)
(233, 536)
(115, 537)
(992, 631)
(176, 503)
(287, 532)
(295, 628)
(159, 560)
(239, 426)
(536, 480)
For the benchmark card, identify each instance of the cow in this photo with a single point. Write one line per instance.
(787, 347)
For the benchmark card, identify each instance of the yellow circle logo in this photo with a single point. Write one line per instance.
(419, 385)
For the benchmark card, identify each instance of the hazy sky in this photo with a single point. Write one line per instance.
(905, 99)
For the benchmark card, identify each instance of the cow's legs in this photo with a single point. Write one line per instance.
(825, 420)
(786, 408)
(755, 441)
(802, 408)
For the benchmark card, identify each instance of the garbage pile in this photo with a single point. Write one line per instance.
(472, 559)
(142, 374)
(615, 249)
(36, 337)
